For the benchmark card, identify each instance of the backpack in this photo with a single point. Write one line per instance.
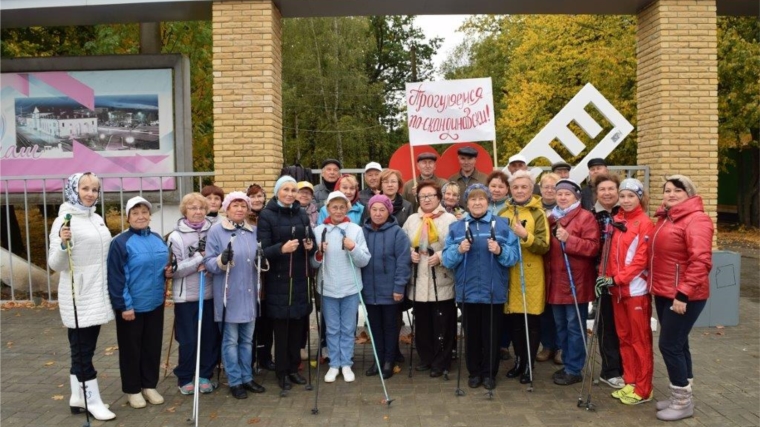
(298, 172)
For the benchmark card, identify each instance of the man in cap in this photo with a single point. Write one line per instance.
(467, 174)
(372, 179)
(330, 174)
(519, 162)
(426, 163)
(596, 167)
(562, 169)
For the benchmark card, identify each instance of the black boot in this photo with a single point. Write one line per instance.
(372, 371)
(518, 369)
(285, 383)
(525, 377)
(387, 370)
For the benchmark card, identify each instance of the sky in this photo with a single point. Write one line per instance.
(444, 26)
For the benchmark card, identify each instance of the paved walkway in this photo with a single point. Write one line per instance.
(34, 388)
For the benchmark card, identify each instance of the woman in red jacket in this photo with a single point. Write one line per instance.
(574, 232)
(680, 259)
(626, 282)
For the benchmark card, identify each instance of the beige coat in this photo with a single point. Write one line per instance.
(424, 291)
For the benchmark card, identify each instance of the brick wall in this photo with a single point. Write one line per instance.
(678, 95)
(247, 65)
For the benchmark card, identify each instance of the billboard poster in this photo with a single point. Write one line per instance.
(106, 122)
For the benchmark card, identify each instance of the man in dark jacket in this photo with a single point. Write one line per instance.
(330, 174)
(467, 174)
(426, 163)
(372, 182)
(596, 167)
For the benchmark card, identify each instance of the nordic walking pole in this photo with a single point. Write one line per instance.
(525, 307)
(66, 223)
(590, 362)
(575, 296)
(460, 350)
(387, 400)
(308, 387)
(411, 317)
(315, 410)
(196, 394)
(224, 301)
(490, 308)
(438, 313)
(174, 325)
(283, 392)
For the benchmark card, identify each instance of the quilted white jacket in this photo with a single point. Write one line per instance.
(90, 240)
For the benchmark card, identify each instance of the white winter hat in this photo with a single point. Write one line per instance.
(137, 200)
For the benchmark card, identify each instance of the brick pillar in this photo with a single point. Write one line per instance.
(678, 95)
(247, 67)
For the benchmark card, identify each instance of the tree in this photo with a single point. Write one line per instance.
(739, 108)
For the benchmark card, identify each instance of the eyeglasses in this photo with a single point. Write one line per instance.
(427, 197)
(196, 208)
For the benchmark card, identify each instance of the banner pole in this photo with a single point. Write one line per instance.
(414, 174)
(495, 157)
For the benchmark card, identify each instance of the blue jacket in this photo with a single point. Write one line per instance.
(136, 261)
(389, 267)
(355, 214)
(478, 272)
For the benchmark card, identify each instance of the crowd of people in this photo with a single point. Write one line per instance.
(517, 262)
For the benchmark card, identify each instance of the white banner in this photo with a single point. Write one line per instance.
(450, 111)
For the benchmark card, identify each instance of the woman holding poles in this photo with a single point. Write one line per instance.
(79, 243)
(286, 240)
(572, 252)
(188, 244)
(606, 207)
(342, 253)
(230, 258)
(680, 259)
(435, 311)
(480, 248)
(384, 280)
(498, 184)
(137, 270)
(528, 220)
(625, 279)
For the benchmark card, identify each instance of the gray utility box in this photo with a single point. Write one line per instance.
(722, 308)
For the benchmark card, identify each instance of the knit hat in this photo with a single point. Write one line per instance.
(236, 195)
(477, 187)
(685, 182)
(570, 185)
(337, 195)
(381, 198)
(634, 185)
(283, 179)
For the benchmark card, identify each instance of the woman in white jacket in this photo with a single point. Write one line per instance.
(89, 306)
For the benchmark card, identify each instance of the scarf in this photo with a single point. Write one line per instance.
(560, 213)
(330, 186)
(71, 191)
(398, 204)
(197, 226)
(328, 221)
(427, 233)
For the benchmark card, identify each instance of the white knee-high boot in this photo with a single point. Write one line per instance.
(98, 409)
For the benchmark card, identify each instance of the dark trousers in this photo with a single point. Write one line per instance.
(516, 326)
(505, 339)
(482, 328)
(435, 335)
(548, 329)
(674, 338)
(609, 344)
(82, 343)
(385, 330)
(186, 334)
(287, 345)
(263, 338)
(140, 349)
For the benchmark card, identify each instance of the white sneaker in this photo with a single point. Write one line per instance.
(348, 374)
(615, 382)
(331, 375)
(152, 396)
(136, 400)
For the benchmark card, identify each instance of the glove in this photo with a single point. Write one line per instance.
(602, 283)
(227, 256)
